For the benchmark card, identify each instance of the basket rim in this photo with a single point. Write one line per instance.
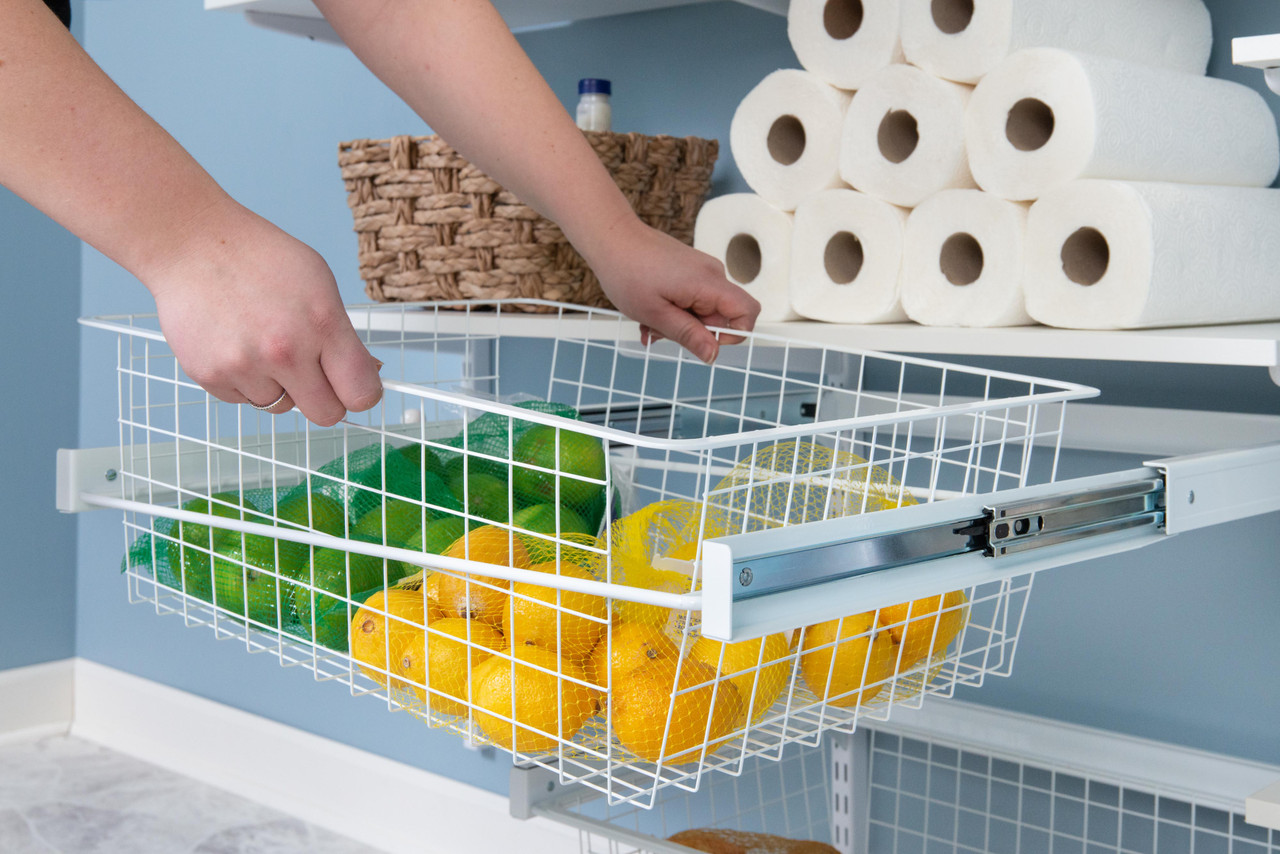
(145, 325)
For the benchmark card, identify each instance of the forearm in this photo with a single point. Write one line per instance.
(76, 147)
(458, 66)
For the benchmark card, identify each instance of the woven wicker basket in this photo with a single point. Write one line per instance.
(432, 226)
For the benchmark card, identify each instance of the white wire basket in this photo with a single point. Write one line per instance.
(881, 791)
(513, 543)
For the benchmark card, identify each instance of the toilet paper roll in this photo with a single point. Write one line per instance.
(1117, 255)
(903, 136)
(846, 258)
(752, 238)
(964, 39)
(1048, 116)
(963, 261)
(844, 41)
(785, 136)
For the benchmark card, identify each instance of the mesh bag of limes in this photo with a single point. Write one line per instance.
(540, 668)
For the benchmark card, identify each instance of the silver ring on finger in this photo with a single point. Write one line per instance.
(268, 407)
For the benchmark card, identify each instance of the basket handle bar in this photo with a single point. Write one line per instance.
(462, 566)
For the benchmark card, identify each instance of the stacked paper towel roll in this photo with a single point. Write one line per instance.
(1047, 116)
(785, 136)
(846, 258)
(964, 39)
(964, 261)
(844, 42)
(1124, 255)
(752, 238)
(999, 107)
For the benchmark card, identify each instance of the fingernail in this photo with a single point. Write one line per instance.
(380, 362)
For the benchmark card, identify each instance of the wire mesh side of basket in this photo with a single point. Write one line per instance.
(842, 432)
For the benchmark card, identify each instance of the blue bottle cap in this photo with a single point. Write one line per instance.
(594, 84)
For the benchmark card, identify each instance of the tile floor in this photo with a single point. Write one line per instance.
(62, 795)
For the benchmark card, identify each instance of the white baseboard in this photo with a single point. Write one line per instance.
(395, 807)
(36, 700)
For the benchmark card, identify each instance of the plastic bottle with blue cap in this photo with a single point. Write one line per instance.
(594, 110)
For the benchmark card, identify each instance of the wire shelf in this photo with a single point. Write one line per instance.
(586, 479)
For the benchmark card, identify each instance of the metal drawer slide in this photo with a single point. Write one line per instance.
(756, 582)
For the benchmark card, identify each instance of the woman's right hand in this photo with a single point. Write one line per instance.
(251, 313)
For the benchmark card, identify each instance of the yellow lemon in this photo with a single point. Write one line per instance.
(442, 660)
(759, 677)
(659, 715)
(528, 702)
(839, 657)
(555, 619)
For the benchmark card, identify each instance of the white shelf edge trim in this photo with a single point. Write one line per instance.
(1211, 779)
(298, 773)
(1259, 52)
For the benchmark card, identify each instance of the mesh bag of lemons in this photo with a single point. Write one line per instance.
(537, 668)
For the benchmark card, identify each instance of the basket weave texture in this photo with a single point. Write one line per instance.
(432, 226)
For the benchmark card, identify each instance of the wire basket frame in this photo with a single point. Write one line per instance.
(926, 792)
(508, 544)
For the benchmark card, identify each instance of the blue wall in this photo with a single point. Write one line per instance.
(1174, 644)
(40, 390)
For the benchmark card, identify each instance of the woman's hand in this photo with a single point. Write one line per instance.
(251, 314)
(672, 290)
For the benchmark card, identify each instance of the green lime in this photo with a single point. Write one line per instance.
(541, 519)
(314, 511)
(437, 536)
(421, 458)
(579, 454)
(241, 578)
(483, 495)
(437, 495)
(474, 465)
(346, 576)
(398, 519)
(198, 539)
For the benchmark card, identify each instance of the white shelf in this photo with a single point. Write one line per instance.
(1241, 345)
(1259, 52)
(300, 17)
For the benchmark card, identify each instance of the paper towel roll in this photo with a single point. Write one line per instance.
(1048, 116)
(903, 136)
(785, 136)
(844, 41)
(963, 261)
(1117, 255)
(752, 238)
(964, 39)
(846, 258)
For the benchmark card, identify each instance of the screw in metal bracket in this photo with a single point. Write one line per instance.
(744, 577)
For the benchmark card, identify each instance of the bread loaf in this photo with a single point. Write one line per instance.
(715, 840)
